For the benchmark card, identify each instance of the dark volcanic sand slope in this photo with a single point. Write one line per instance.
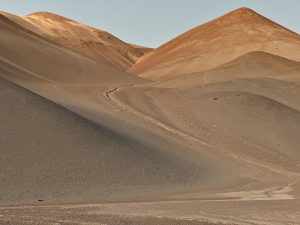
(51, 154)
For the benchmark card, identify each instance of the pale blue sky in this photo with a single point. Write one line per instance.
(153, 22)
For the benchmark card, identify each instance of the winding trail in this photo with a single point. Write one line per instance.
(272, 193)
(205, 79)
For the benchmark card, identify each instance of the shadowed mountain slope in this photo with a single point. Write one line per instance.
(49, 153)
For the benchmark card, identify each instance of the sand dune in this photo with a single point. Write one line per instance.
(96, 44)
(217, 42)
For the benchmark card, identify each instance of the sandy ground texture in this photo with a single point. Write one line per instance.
(80, 216)
(163, 213)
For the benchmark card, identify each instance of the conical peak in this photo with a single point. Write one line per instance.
(243, 11)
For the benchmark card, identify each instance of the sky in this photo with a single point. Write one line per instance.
(153, 22)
